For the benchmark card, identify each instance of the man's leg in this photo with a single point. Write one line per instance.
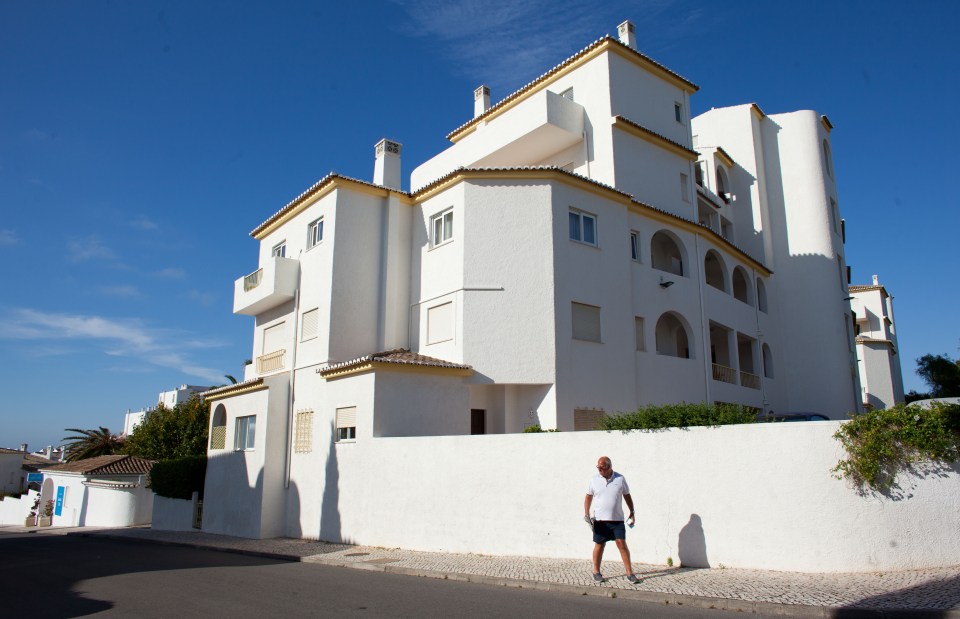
(625, 555)
(597, 556)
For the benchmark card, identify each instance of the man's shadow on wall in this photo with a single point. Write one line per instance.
(692, 545)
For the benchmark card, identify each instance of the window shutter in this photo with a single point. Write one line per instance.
(347, 417)
(586, 322)
(273, 338)
(311, 323)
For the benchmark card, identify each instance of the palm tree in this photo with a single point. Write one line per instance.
(91, 443)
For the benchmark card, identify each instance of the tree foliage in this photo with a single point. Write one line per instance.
(91, 443)
(172, 432)
(682, 415)
(941, 373)
(881, 444)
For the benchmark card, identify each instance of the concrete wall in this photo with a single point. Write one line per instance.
(172, 514)
(15, 511)
(758, 496)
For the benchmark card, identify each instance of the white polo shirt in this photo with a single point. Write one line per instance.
(608, 496)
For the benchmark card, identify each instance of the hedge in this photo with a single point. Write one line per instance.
(179, 478)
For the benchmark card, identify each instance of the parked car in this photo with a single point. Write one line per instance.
(793, 417)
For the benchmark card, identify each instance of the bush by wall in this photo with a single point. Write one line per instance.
(535, 428)
(179, 478)
(881, 444)
(682, 415)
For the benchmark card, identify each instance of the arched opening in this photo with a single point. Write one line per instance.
(761, 296)
(767, 361)
(714, 271)
(723, 185)
(672, 339)
(741, 286)
(665, 253)
(218, 430)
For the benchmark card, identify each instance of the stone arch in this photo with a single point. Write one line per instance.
(741, 286)
(672, 334)
(667, 253)
(715, 271)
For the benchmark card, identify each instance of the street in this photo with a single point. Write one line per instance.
(71, 576)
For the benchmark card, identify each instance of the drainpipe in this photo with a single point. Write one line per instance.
(704, 323)
(293, 375)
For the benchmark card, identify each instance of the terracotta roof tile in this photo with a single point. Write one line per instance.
(400, 356)
(105, 465)
(229, 388)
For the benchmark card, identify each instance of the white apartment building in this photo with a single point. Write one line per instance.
(583, 247)
(168, 398)
(881, 379)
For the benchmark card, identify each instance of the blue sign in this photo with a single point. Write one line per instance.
(34, 477)
(58, 510)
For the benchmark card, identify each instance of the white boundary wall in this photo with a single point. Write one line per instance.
(15, 511)
(173, 514)
(754, 496)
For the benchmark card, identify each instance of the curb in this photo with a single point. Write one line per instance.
(764, 609)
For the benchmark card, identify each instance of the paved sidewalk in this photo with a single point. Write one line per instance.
(914, 593)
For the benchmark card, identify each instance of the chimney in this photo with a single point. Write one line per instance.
(386, 169)
(627, 35)
(481, 100)
(48, 452)
(23, 447)
(876, 280)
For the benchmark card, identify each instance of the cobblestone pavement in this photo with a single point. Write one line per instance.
(936, 591)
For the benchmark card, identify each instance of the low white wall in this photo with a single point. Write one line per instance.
(755, 496)
(172, 514)
(15, 511)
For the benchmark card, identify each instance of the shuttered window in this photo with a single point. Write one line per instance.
(440, 323)
(310, 325)
(586, 322)
(273, 338)
(346, 423)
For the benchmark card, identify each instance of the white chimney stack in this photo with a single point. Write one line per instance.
(48, 452)
(23, 447)
(876, 280)
(481, 100)
(386, 169)
(627, 35)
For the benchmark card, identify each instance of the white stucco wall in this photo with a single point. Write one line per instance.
(759, 496)
(172, 514)
(95, 505)
(15, 511)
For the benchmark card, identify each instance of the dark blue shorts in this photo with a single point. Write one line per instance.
(608, 530)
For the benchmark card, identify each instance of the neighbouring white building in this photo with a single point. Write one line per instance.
(583, 247)
(169, 399)
(881, 379)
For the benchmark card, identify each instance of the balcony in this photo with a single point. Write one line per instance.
(271, 362)
(750, 381)
(267, 287)
(724, 374)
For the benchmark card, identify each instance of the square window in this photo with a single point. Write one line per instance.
(635, 246)
(246, 433)
(583, 227)
(586, 322)
(279, 250)
(442, 226)
(346, 423)
(315, 233)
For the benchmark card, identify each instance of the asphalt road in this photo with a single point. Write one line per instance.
(72, 576)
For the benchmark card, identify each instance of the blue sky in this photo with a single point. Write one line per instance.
(140, 142)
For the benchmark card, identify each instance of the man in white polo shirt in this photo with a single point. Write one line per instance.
(604, 494)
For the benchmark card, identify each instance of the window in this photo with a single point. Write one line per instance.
(834, 216)
(714, 272)
(347, 423)
(442, 226)
(218, 431)
(246, 433)
(310, 325)
(586, 322)
(440, 323)
(722, 185)
(698, 172)
(671, 335)
(665, 253)
(761, 296)
(678, 111)
(303, 436)
(638, 329)
(315, 234)
(827, 159)
(635, 246)
(279, 250)
(741, 286)
(583, 227)
(685, 187)
(586, 419)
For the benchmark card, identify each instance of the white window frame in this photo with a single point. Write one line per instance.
(635, 246)
(578, 234)
(441, 228)
(279, 250)
(315, 233)
(345, 433)
(245, 437)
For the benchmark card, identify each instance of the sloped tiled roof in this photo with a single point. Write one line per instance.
(219, 391)
(400, 356)
(33, 462)
(105, 465)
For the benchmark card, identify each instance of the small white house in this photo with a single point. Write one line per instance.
(106, 491)
(881, 378)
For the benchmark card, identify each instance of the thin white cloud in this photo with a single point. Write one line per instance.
(142, 223)
(171, 273)
(8, 238)
(121, 292)
(203, 298)
(88, 248)
(128, 338)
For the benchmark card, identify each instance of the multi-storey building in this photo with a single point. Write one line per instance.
(881, 379)
(583, 247)
(169, 399)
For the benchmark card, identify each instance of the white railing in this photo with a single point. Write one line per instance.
(751, 381)
(271, 362)
(724, 374)
(253, 280)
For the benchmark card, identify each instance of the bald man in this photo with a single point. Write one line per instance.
(605, 494)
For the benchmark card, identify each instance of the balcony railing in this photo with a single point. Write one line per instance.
(724, 374)
(253, 280)
(751, 381)
(271, 362)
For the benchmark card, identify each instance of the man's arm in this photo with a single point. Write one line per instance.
(587, 502)
(629, 501)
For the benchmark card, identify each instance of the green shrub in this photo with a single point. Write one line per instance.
(881, 444)
(179, 478)
(536, 428)
(682, 415)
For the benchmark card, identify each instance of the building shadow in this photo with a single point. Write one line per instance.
(692, 545)
(940, 598)
(330, 524)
